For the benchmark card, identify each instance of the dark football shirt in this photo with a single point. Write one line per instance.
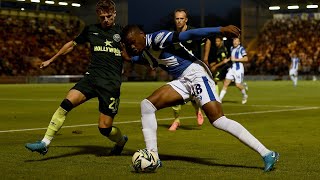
(106, 61)
(193, 46)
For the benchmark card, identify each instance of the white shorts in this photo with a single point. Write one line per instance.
(195, 84)
(237, 76)
(293, 72)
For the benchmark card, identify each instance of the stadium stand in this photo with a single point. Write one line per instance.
(279, 38)
(25, 41)
(31, 36)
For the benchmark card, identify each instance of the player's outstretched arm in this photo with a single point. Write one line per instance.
(230, 31)
(68, 47)
(199, 33)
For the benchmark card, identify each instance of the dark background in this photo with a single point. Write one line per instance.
(155, 15)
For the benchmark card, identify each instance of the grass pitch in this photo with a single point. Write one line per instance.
(283, 118)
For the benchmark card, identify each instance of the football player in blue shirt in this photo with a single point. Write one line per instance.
(236, 72)
(193, 80)
(293, 69)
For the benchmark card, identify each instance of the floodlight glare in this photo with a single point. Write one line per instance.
(63, 3)
(22, 9)
(35, 1)
(224, 38)
(21, 0)
(76, 4)
(312, 6)
(49, 2)
(293, 7)
(273, 8)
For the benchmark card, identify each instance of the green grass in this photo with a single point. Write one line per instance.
(284, 118)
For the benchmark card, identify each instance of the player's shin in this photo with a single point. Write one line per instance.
(149, 125)
(176, 112)
(195, 106)
(57, 120)
(243, 92)
(292, 78)
(198, 112)
(295, 80)
(217, 88)
(241, 133)
(55, 124)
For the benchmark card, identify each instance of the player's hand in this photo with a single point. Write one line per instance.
(213, 67)
(124, 52)
(226, 60)
(45, 64)
(231, 31)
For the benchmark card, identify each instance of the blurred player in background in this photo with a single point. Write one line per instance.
(102, 80)
(293, 69)
(193, 80)
(194, 47)
(236, 72)
(216, 59)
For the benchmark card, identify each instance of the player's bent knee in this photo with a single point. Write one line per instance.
(213, 111)
(67, 105)
(105, 120)
(214, 118)
(147, 107)
(105, 131)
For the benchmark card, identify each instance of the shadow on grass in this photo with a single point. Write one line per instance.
(203, 161)
(82, 150)
(101, 151)
(231, 102)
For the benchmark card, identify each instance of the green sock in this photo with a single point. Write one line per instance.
(217, 89)
(195, 106)
(177, 120)
(56, 123)
(116, 136)
(176, 111)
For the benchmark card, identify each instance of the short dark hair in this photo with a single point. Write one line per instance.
(237, 38)
(128, 29)
(181, 10)
(219, 37)
(105, 6)
(131, 28)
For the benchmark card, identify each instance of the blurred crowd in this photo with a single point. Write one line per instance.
(25, 42)
(279, 39)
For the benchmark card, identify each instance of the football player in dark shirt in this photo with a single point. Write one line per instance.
(102, 79)
(194, 47)
(217, 59)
